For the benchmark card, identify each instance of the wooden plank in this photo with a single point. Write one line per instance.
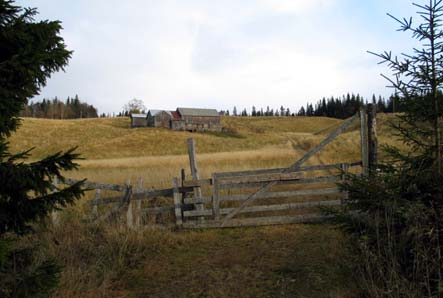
(197, 183)
(372, 136)
(321, 179)
(194, 172)
(109, 200)
(274, 195)
(280, 170)
(261, 178)
(364, 141)
(158, 210)
(94, 185)
(265, 208)
(147, 194)
(243, 222)
(177, 203)
(215, 197)
(294, 167)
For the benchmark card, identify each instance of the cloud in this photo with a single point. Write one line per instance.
(296, 6)
(216, 54)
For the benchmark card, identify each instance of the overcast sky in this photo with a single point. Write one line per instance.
(221, 54)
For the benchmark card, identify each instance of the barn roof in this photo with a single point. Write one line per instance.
(198, 112)
(175, 115)
(138, 115)
(156, 112)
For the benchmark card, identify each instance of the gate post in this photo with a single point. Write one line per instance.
(129, 215)
(96, 200)
(364, 141)
(138, 204)
(215, 198)
(372, 137)
(177, 202)
(195, 176)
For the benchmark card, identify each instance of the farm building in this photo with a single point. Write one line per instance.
(197, 120)
(138, 120)
(159, 118)
(181, 119)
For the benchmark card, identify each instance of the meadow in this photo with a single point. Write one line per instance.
(112, 261)
(114, 153)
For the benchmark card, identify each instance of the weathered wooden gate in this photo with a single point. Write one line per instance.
(274, 196)
(245, 198)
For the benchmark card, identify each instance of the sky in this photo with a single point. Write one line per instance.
(221, 54)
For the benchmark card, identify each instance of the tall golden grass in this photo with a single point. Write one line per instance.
(115, 153)
(112, 261)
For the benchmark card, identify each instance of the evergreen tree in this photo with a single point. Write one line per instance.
(301, 112)
(397, 211)
(254, 112)
(29, 52)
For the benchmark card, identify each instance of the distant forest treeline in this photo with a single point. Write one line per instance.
(334, 107)
(71, 108)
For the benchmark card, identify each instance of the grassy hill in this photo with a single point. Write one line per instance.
(114, 152)
(113, 261)
(113, 137)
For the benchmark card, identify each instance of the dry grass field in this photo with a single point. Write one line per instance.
(111, 261)
(114, 152)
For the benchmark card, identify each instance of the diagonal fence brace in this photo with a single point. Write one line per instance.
(294, 167)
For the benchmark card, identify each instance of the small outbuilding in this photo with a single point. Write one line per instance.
(138, 120)
(159, 118)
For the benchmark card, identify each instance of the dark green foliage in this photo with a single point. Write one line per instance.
(395, 215)
(58, 109)
(23, 275)
(29, 52)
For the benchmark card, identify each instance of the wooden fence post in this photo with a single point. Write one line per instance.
(215, 198)
(54, 214)
(372, 136)
(345, 169)
(177, 202)
(96, 199)
(195, 174)
(364, 141)
(129, 215)
(138, 204)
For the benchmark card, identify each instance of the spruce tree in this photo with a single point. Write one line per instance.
(30, 52)
(396, 213)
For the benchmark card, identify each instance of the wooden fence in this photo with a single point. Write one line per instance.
(242, 198)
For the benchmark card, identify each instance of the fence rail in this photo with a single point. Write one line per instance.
(210, 202)
(183, 206)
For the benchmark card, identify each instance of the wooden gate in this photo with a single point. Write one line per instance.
(244, 198)
(274, 196)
